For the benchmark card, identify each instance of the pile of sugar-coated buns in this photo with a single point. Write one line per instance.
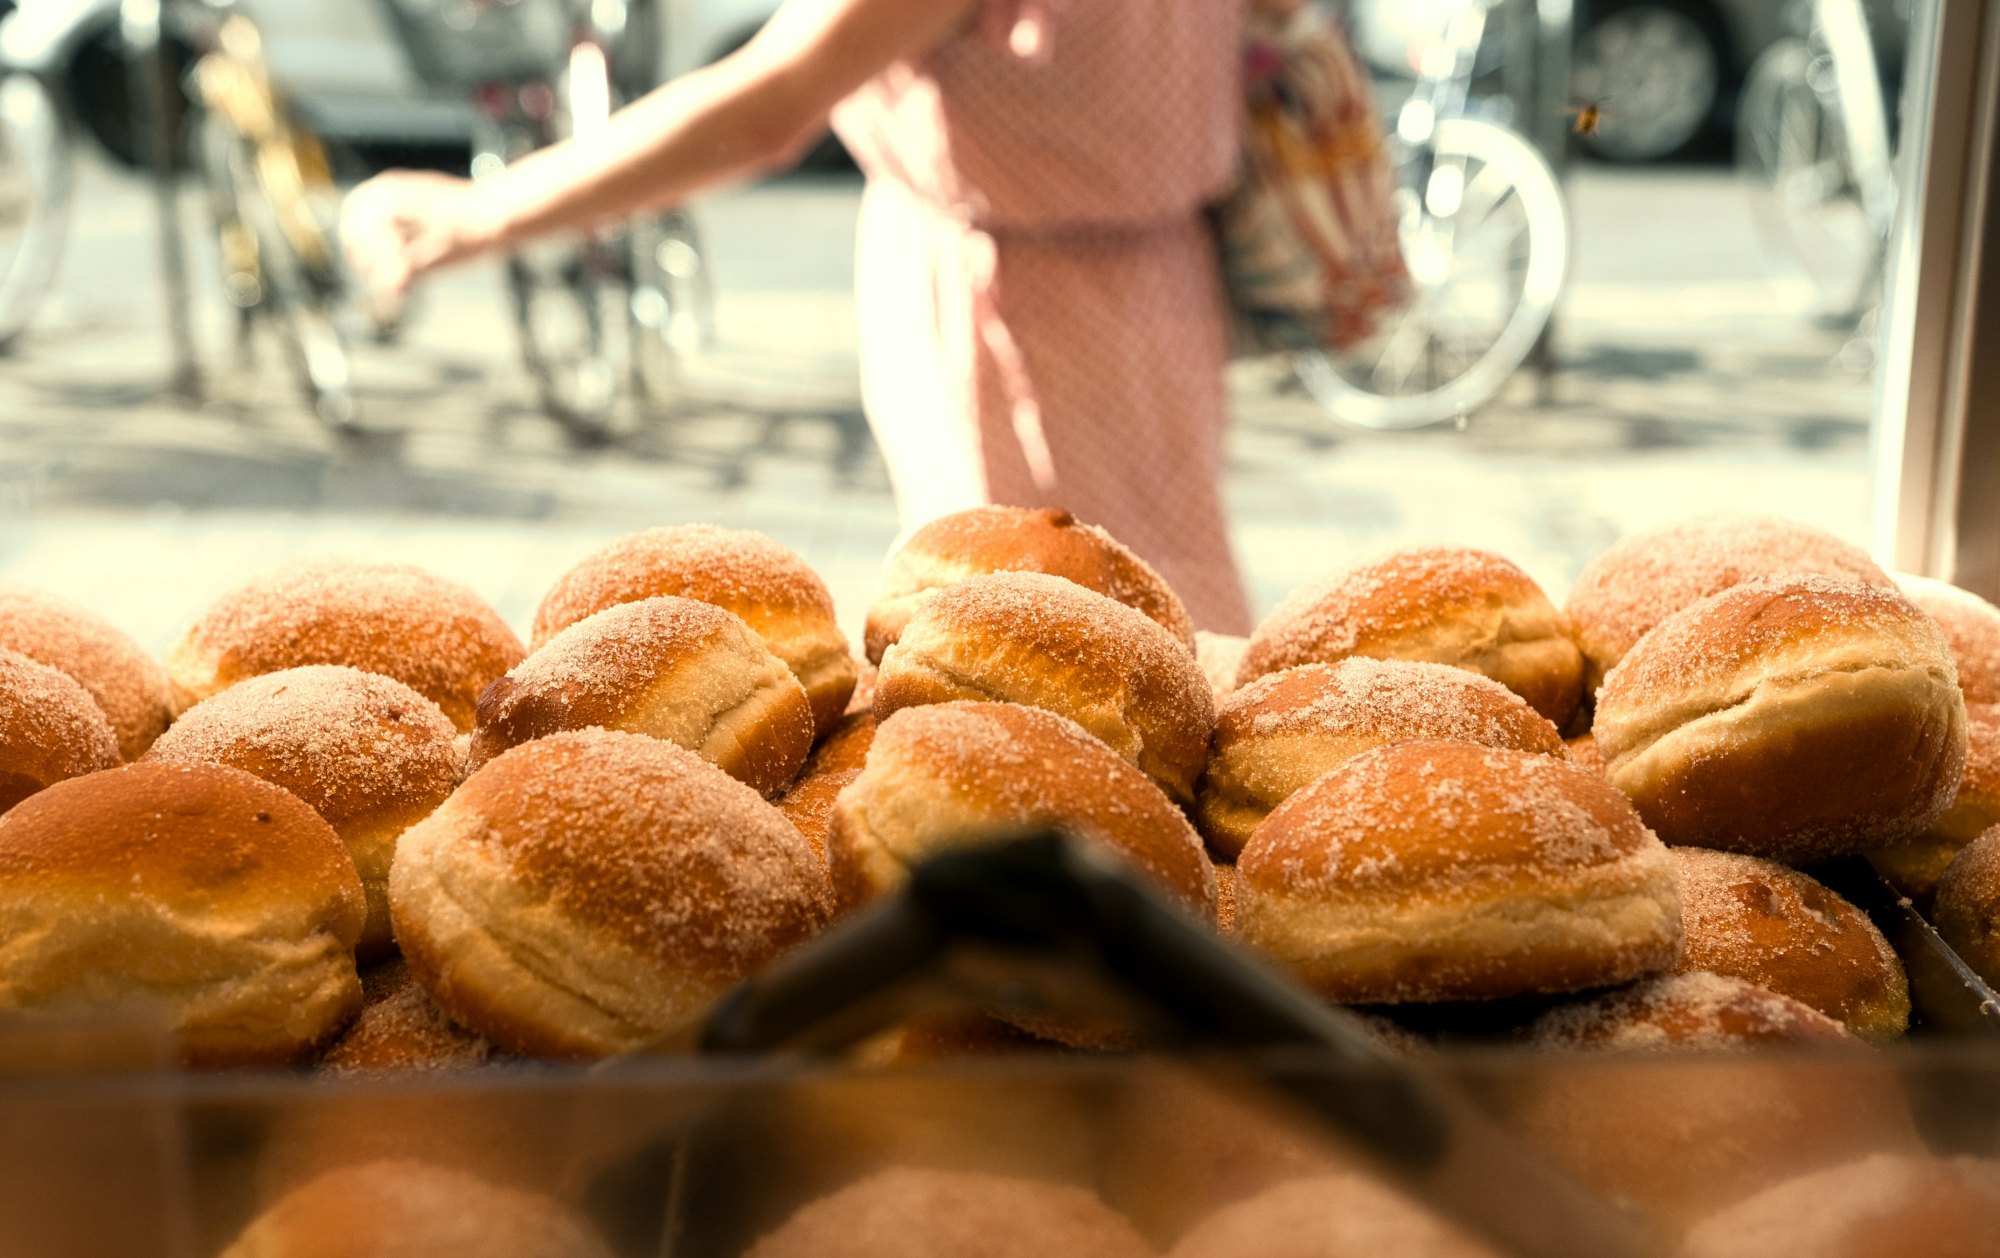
(353, 820)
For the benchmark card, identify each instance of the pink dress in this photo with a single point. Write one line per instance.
(1041, 315)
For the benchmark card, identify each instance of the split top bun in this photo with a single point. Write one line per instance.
(673, 668)
(433, 635)
(228, 903)
(1445, 604)
(1795, 718)
(127, 683)
(1016, 539)
(50, 729)
(782, 599)
(1645, 578)
(1042, 641)
(588, 891)
(948, 774)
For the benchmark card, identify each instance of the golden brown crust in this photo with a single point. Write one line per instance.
(1692, 1009)
(1583, 753)
(782, 599)
(1914, 868)
(587, 891)
(433, 635)
(400, 1029)
(952, 773)
(50, 729)
(808, 805)
(391, 1209)
(1971, 626)
(1278, 734)
(914, 1213)
(845, 746)
(1775, 927)
(1645, 578)
(1225, 899)
(1030, 638)
(1016, 539)
(1344, 1214)
(127, 682)
(221, 895)
(1447, 605)
(369, 754)
(1881, 1206)
(671, 668)
(1967, 911)
(1797, 718)
(1429, 871)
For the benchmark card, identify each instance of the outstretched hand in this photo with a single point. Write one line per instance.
(402, 224)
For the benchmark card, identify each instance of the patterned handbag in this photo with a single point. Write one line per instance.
(1308, 244)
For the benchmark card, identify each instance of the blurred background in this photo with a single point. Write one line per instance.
(1661, 307)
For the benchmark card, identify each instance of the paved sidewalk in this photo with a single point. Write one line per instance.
(1686, 388)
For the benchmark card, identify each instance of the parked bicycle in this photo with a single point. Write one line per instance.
(1485, 238)
(68, 73)
(1815, 148)
(607, 312)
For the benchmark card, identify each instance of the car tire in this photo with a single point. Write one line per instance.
(1660, 69)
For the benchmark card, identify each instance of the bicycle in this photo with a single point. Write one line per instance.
(1484, 233)
(612, 305)
(111, 72)
(1814, 146)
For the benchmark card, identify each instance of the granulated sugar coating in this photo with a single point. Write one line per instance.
(1759, 921)
(1971, 626)
(1341, 1215)
(433, 635)
(393, 1209)
(349, 743)
(1884, 1206)
(649, 845)
(1647, 577)
(400, 1029)
(1390, 700)
(917, 1213)
(127, 683)
(50, 729)
(1696, 1010)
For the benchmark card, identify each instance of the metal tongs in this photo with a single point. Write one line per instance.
(1049, 925)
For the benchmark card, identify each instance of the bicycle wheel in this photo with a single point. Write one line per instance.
(1792, 152)
(277, 279)
(672, 304)
(569, 307)
(1487, 247)
(35, 183)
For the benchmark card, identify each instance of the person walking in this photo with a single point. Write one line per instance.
(1042, 320)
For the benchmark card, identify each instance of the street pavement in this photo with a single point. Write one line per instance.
(1685, 385)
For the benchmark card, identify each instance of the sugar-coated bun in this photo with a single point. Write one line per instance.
(911, 1212)
(1797, 718)
(404, 1209)
(1225, 899)
(1445, 604)
(1583, 753)
(672, 668)
(50, 729)
(1645, 578)
(401, 1029)
(128, 684)
(782, 599)
(1282, 731)
(845, 746)
(948, 774)
(1345, 1214)
(1693, 1010)
(197, 888)
(1882, 1206)
(1971, 625)
(369, 754)
(1431, 871)
(1220, 656)
(1778, 928)
(587, 891)
(433, 635)
(808, 804)
(1914, 868)
(1034, 639)
(1016, 539)
(1967, 909)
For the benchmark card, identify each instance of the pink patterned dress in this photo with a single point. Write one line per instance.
(1041, 316)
